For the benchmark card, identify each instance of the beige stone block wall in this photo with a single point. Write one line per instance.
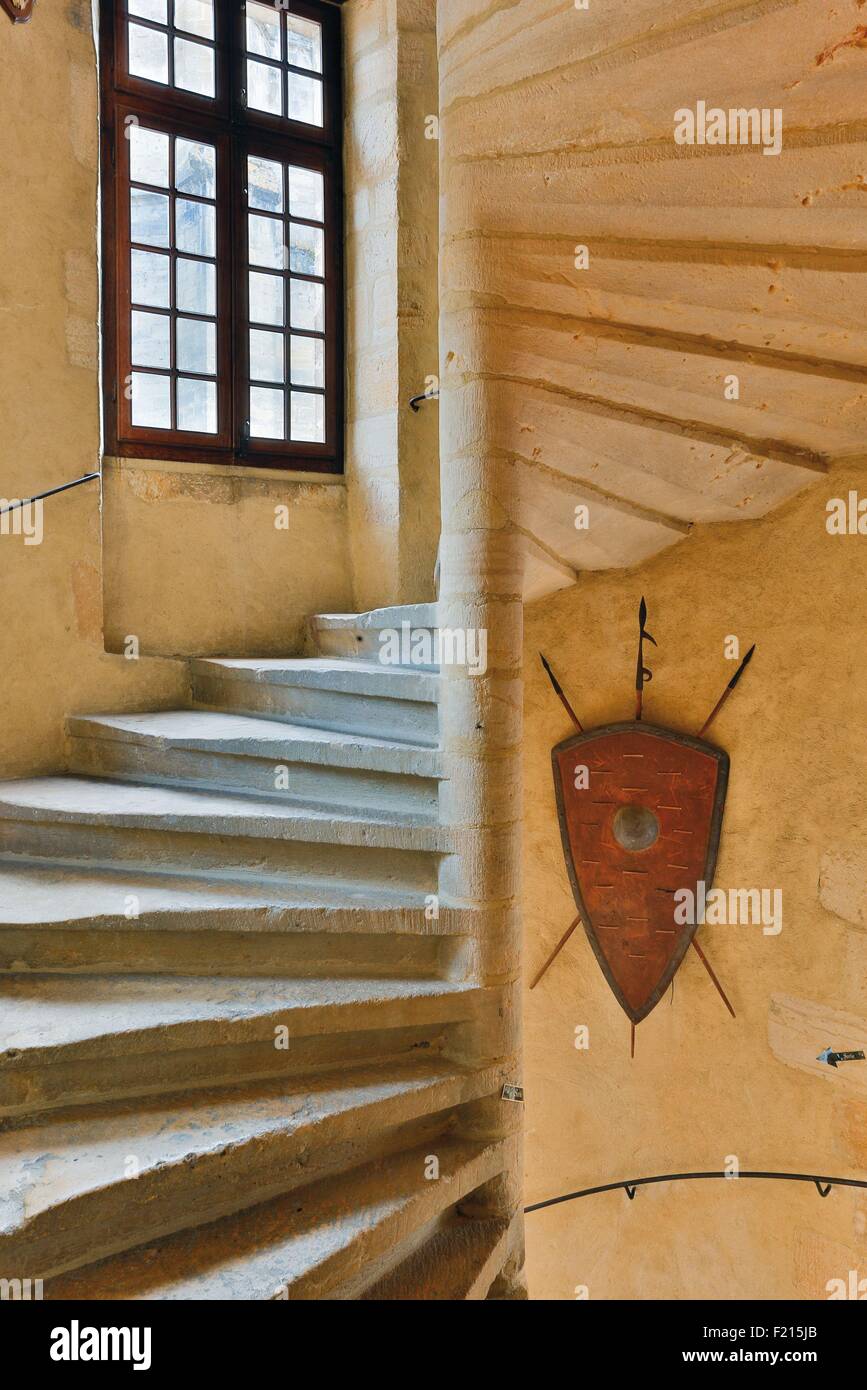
(185, 558)
(392, 301)
(703, 1086)
(51, 640)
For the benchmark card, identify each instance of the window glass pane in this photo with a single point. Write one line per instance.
(196, 286)
(195, 168)
(303, 43)
(307, 417)
(197, 405)
(266, 241)
(266, 356)
(150, 340)
(148, 53)
(307, 356)
(266, 413)
(304, 99)
(194, 67)
(264, 88)
(150, 9)
(148, 155)
(150, 279)
(306, 249)
(266, 298)
(149, 217)
(196, 346)
(151, 401)
(195, 17)
(306, 193)
(307, 305)
(195, 227)
(264, 184)
(263, 30)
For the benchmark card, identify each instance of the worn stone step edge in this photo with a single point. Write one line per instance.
(307, 1245)
(67, 1196)
(334, 674)
(44, 895)
(248, 736)
(76, 801)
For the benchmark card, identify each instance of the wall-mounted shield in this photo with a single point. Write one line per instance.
(640, 814)
(19, 11)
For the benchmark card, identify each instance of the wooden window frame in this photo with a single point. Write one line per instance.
(234, 129)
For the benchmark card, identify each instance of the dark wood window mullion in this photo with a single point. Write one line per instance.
(173, 273)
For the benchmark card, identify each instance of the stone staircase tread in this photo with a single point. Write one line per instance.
(216, 731)
(91, 1012)
(417, 614)
(327, 673)
(42, 894)
(134, 805)
(57, 1162)
(316, 1243)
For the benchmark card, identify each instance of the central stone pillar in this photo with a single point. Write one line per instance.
(481, 570)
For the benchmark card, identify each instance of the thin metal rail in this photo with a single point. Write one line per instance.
(630, 1186)
(64, 487)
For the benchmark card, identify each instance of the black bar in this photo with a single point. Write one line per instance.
(629, 1185)
(64, 487)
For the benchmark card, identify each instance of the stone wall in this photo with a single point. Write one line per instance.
(186, 558)
(392, 301)
(703, 1086)
(51, 639)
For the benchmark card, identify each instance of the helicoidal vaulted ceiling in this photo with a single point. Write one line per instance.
(611, 385)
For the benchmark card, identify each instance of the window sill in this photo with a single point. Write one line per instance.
(112, 463)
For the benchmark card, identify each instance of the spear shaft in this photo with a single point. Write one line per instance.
(727, 692)
(558, 691)
(709, 968)
(556, 951)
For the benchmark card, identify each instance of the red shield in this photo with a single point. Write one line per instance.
(640, 814)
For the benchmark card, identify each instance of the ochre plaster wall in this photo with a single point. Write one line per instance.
(703, 1087)
(51, 644)
(190, 560)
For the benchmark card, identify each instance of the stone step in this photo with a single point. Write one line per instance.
(88, 1184)
(80, 1039)
(330, 1240)
(104, 922)
(291, 763)
(360, 697)
(457, 1261)
(368, 636)
(82, 820)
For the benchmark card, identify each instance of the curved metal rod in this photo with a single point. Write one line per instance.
(64, 487)
(416, 401)
(629, 1185)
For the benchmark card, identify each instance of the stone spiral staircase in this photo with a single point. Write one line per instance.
(242, 1051)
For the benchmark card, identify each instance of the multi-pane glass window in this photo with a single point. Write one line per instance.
(222, 230)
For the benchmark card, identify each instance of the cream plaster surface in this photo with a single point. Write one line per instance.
(703, 1087)
(184, 558)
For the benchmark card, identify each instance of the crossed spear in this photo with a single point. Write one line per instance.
(642, 676)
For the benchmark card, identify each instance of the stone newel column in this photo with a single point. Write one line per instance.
(481, 565)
